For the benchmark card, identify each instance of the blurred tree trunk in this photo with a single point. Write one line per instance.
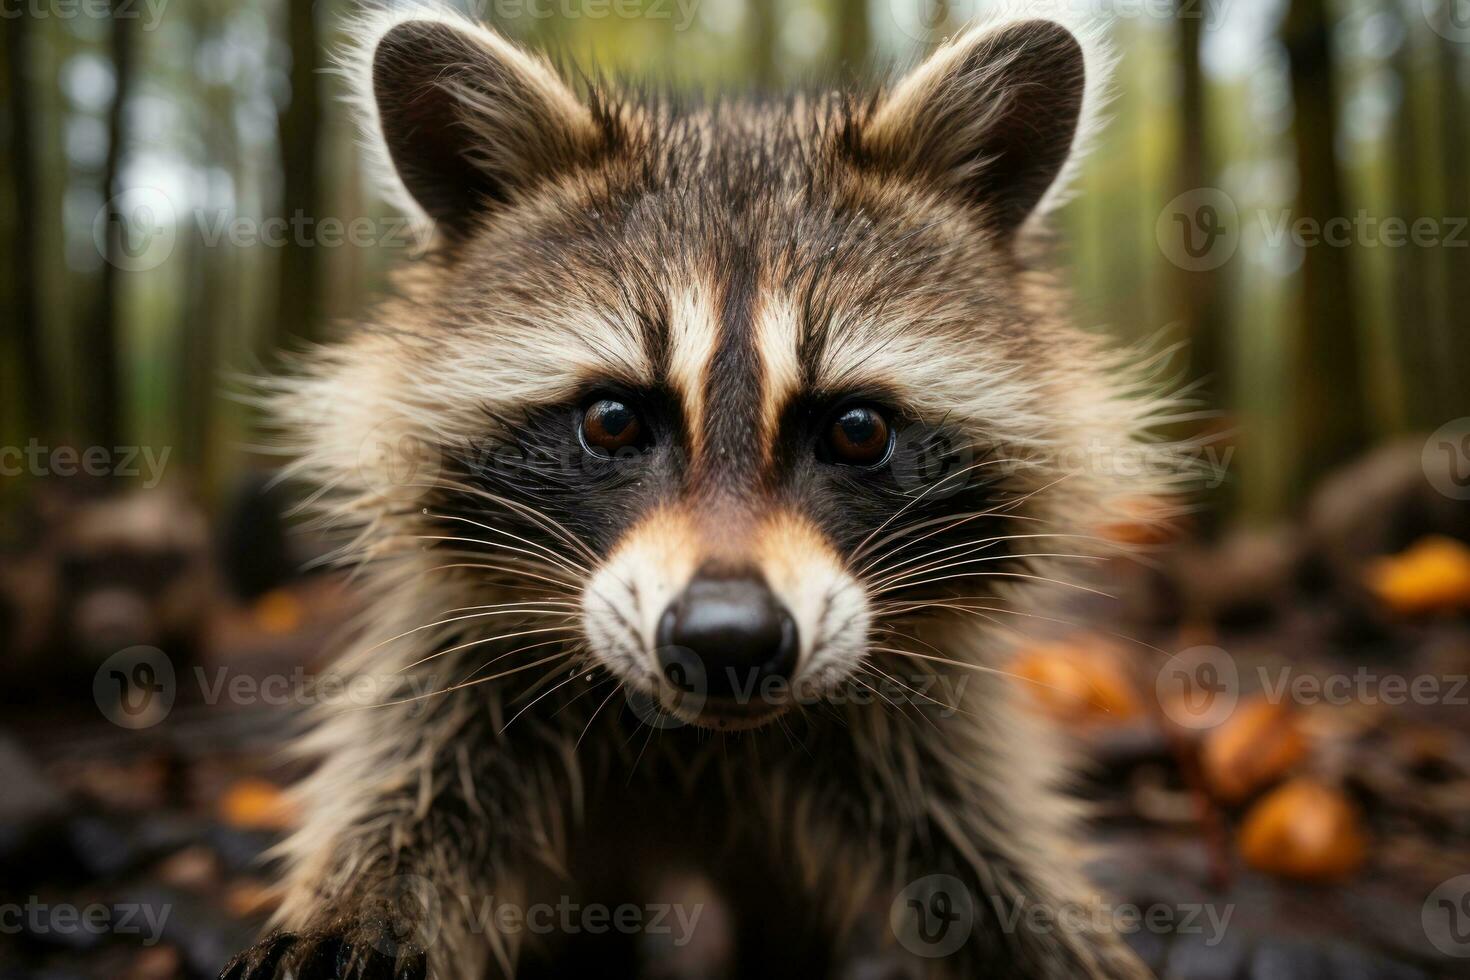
(32, 395)
(1453, 349)
(1414, 362)
(1328, 415)
(1201, 300)
(854, 37)
(103, 394)
(1200, 293)
(208, 312)
(299, 296)
(763, 39)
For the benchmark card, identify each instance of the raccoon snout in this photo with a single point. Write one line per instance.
(736, 630)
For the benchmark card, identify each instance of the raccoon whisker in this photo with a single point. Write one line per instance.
(541, 549)
(901, 707)
(544, 549)
(482, 680)
(980, 668)
(1002, 510)
(981, 541)
(888, 676)
(501, 568)
(633, 769)
(893, 580)
(529, 646)
(886, 699)
(913, 639)
(858, 552)
(595, 712)
(567, 584)
(1022, 575)
(488, 639)
(549, 522)
(496, 610)
(530, 605)
(607, 675)
(536, 700)
(958, 606)
(898, 573)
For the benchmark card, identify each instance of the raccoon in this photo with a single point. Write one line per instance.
(697, 471)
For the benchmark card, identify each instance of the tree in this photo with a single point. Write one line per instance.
(21, 270)
(1328, 412)
(763, 35)
(299, 297)
(1454, 116)
(854, 37)
(103, 395)
(1201, 298)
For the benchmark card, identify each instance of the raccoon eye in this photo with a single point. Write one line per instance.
(859, 436)
(609, 425)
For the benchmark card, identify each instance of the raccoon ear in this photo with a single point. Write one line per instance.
(993, 114)
(467, 119)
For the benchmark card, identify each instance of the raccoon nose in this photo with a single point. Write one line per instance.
(736, 630)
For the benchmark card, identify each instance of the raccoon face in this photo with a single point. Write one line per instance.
(757, 381)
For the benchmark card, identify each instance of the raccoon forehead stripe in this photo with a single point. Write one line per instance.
(693, 335)
(777, 327)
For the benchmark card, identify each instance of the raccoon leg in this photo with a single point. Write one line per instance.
(415, 836)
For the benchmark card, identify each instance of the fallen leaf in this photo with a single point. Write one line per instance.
(1431, 576)
(254, 804)
(1077, 681)
(278, 612)
(1304, 830)
(1256, 746)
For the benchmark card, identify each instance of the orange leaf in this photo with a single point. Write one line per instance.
(1304, 830)
(1256, 746)
(1432, 576)
(1077, 682)
(254, 804)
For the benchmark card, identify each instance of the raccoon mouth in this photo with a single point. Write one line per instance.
(725, 714)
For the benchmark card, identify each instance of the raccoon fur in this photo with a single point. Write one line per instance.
(696, 474)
